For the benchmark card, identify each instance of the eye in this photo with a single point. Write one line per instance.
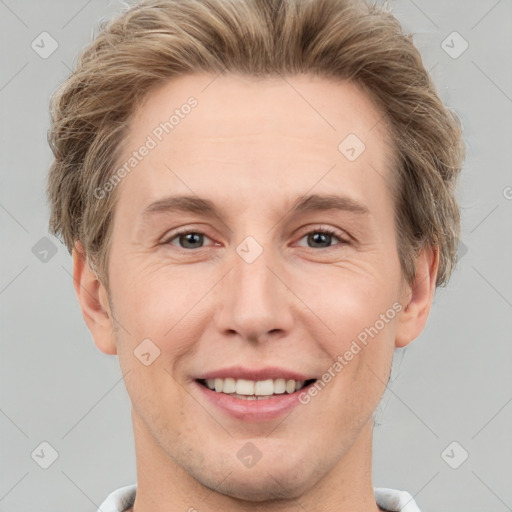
(187, 239)
(319, 237)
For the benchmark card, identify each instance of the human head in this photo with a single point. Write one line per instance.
(297, 312)
(339, 39)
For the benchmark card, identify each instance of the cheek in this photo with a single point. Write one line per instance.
(152, 299)
(163, 317)
(360, 312)
(348, 301)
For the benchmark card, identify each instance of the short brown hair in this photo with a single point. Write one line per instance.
(156, 40)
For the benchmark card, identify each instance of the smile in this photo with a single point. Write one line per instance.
(252, 401)
(254, 390)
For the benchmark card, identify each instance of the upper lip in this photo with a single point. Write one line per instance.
(269, 372)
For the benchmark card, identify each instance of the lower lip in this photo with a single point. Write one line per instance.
(253, 410)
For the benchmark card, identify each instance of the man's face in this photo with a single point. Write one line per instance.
(258, 288)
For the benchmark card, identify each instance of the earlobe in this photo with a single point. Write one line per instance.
(93, 300)
(418, 298)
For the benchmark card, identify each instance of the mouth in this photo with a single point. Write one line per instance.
(245, 389)
(253, 395)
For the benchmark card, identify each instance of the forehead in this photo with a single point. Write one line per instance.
(299, 104)
(250, 133)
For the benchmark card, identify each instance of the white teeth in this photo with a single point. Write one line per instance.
(253, 390)
(290, 386)
(244, 387)
(229, 386)
(279, 386)
(264, 387)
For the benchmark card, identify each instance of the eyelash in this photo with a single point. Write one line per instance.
(325, 231)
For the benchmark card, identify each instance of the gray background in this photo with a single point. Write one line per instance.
(452, 384)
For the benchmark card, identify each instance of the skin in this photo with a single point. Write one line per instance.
(252, 146)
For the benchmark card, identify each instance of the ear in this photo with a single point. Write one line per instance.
(93, 300)
(417, 298)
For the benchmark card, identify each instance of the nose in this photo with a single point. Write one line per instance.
(255, 302)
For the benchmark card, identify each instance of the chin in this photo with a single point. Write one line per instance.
(268, 480)
(264, 486)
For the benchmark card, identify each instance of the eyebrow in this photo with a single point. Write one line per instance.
(207, 208)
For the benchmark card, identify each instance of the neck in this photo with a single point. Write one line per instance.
(162, 486)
